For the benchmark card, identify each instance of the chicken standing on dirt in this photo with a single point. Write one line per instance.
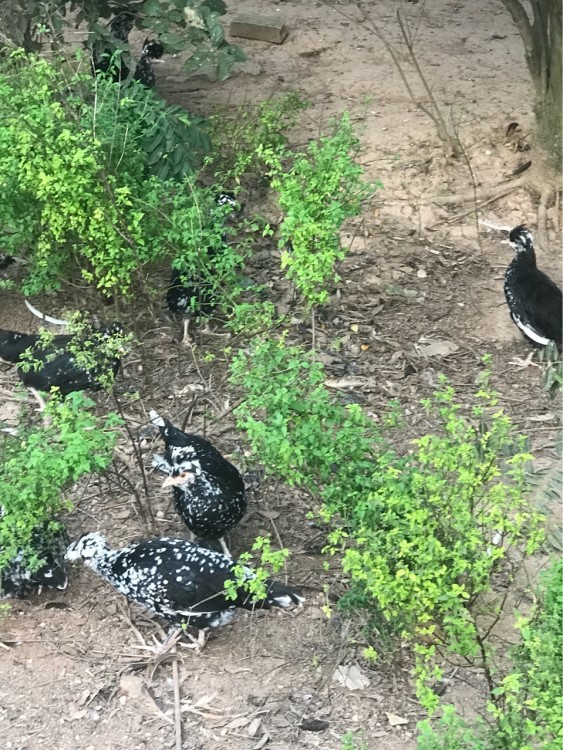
(534, 300)
(208, 490)
(193, 292)
(177, 580)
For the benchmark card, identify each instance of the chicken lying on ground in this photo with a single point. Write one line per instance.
(177, 580)
(57, 364)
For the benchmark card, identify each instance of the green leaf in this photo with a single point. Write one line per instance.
(216, 34)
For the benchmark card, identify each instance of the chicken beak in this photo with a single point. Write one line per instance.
(180, 479)
(170, 481)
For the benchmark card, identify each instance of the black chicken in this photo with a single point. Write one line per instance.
(208, 490)
(144, 72)
(6, 261)
(16, 577)
(177, 580)
(534, 300)
(106, 61)
(192, 292)
(58, 367)
(103, 58)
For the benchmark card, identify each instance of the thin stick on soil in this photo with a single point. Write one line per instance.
(177, 706)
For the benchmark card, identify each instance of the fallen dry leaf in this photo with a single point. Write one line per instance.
(436, 347)
(254, 726)
(261, 742)
(396, 721)
(237, 723)
(350, 676)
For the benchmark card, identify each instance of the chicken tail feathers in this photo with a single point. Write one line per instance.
(280, 595)
(43, 317)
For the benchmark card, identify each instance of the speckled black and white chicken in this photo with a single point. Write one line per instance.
(208, 490)
(175, 579)
(534, 300)
(16, 577)
(192, 292)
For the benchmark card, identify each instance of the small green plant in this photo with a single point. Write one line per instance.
(351, 741)
(240, 140)
(526, 710)
(40, 463)
(291, 419)
(321, 189)
(253, 581)
(528, 704)
(552, 371)
(452, 732)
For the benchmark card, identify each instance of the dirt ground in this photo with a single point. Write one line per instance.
(72, 664)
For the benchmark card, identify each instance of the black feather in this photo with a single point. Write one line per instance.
(58, 368)
(16, 577)
(105, 61)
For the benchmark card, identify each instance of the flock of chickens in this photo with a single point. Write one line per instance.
(183, 582)
(180, 581)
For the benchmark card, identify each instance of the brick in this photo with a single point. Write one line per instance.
(264, 28)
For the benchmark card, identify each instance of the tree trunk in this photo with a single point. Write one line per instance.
(542, 37)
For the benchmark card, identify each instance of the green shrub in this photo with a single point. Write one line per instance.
(527, 708)
(38, 465)
(529, 701)
(75, 190)
(416, 531)
(452, 732)
(241, 140)
(320, 189)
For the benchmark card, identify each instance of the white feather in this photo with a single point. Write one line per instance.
(530, 333)
(490, 225)
(45, 318)
(287, 601)
(156, 419)
(160, 463)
